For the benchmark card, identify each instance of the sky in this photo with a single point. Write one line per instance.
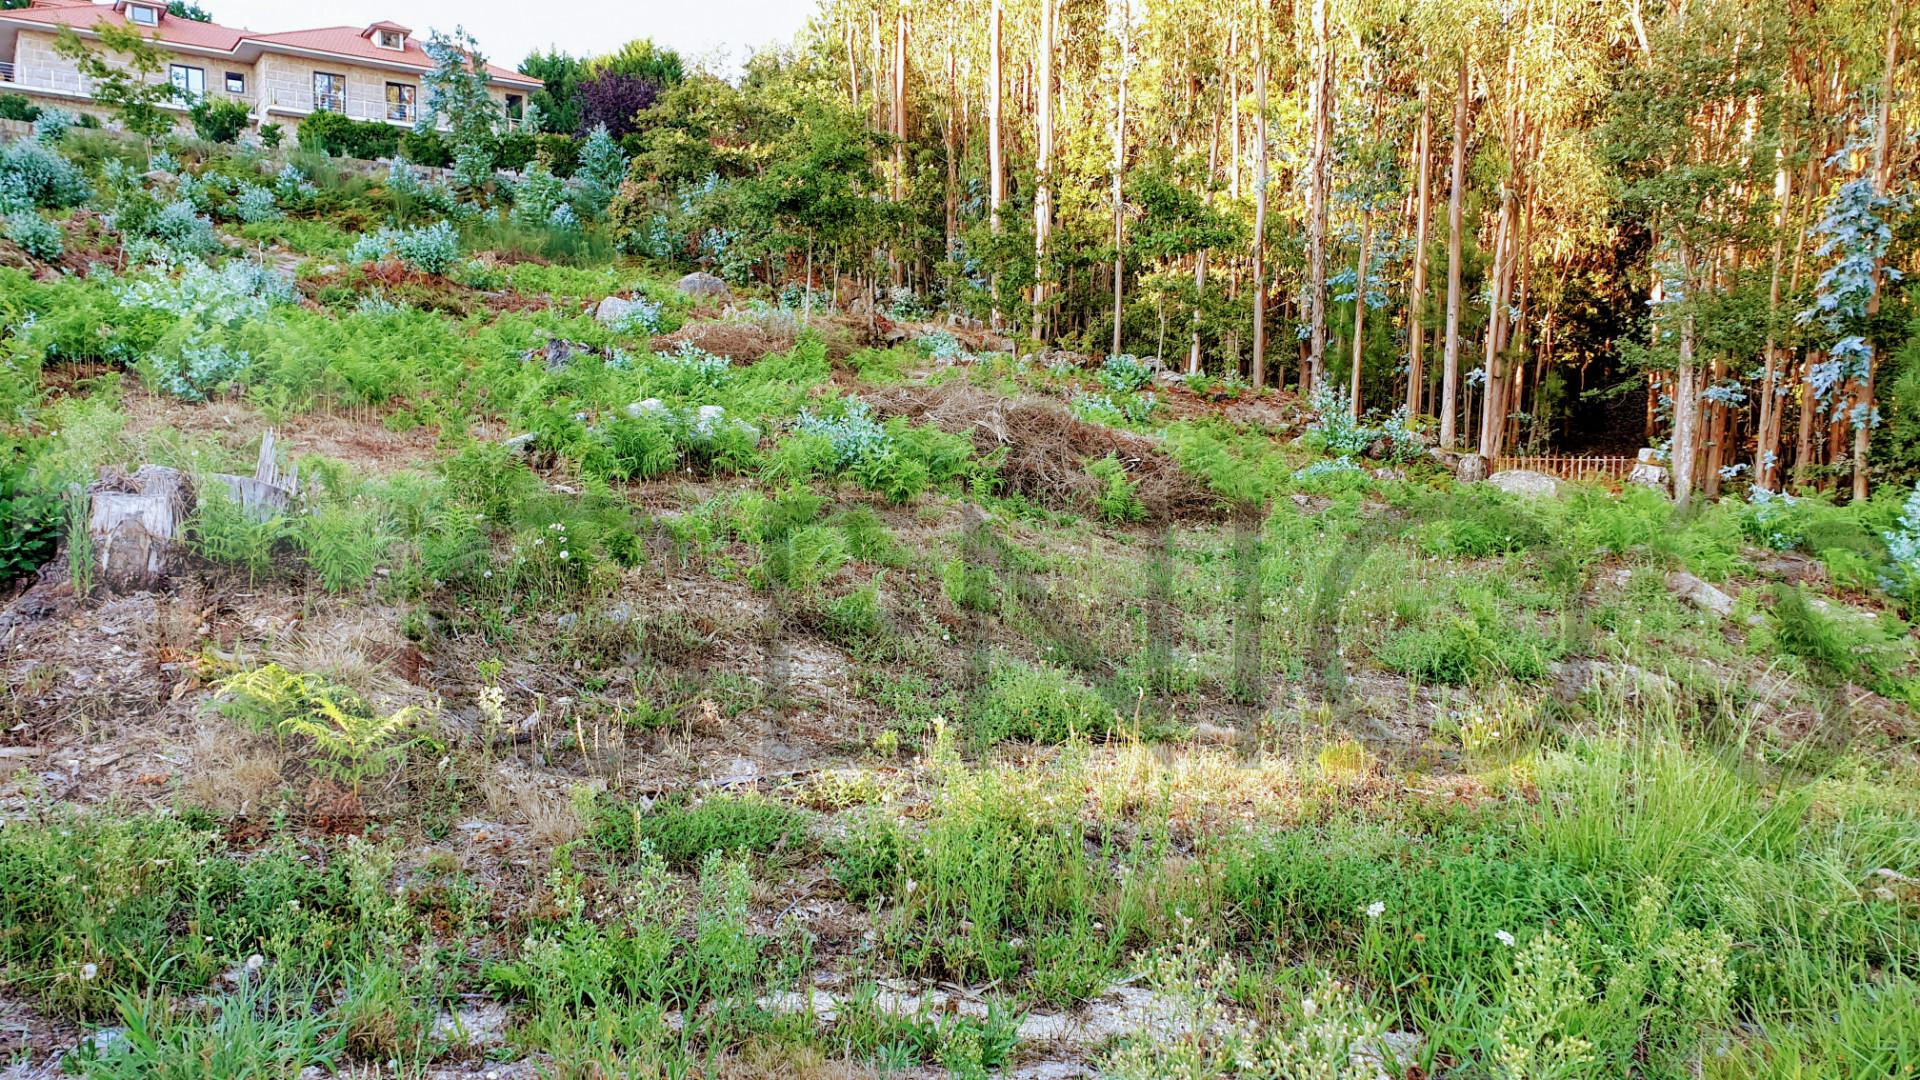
(723, 30)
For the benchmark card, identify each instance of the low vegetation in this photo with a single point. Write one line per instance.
(560, 668)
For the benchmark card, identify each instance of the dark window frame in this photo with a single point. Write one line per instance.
(336, 92)
(236, 77)
(186, 89)
(406, 102)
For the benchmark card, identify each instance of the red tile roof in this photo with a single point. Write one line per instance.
(347, 42)
(352, 41)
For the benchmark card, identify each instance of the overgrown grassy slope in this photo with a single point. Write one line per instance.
(709, 692)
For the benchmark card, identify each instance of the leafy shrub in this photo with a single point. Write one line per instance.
(1903, 550)
(1466, 650)
(256, 204)
(29, 520)
(183, 229)
(1125, 374)
(336, 135)
(354, 740)
(52, 125)
(18, 107)
(239, 291)
(1113, 409)
(803, 559)
(219, 120)
(35, 235)
(538, 194)
(1117, 500)
(430, 249)
(1043, 704)
(31, 175)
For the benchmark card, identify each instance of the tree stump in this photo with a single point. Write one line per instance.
(134, 522)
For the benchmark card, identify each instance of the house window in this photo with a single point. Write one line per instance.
(329, 92)
(192, 81)
(143, 15)
(399, 101)
(392, 39)
(236, 82)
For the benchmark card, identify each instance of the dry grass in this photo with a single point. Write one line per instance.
(1048, 448)
(737, 340)
(235, 771)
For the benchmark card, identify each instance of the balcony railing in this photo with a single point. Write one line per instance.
(377, 110)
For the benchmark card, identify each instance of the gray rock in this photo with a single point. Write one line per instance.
(613, 311)
(1701, 595)
(1525, 482)
(1470, 469)
(706, 286)
(518, 443)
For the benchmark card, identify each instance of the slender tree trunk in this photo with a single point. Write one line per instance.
(1686, 412)
(900, 106)
(1493, 408)
(1360, 305)
(952, 139)
(1767, 441)
(1321, 112)
(853, 70)
(1882, 178)
(996, 174)
(1043, 167)
(1259, 253)
(1417, 303)
(1119, 178)
(1233, 92)
(1456, 209)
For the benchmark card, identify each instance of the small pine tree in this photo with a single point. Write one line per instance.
(602, 167)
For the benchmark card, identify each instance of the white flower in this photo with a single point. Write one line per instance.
(1376, 909)
(255, 961)
(563, 553)
(88, 971)
(538, 540)
(1505, 938)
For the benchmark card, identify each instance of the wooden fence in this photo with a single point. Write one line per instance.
(1572, 466)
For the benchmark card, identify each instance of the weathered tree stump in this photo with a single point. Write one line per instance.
(266, 494)
(134, 521)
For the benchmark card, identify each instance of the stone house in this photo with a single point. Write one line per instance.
(368, 73)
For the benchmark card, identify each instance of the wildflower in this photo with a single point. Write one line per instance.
(1376, 909)
(1505, 938)
(563, 553)
(255, 961)
(88, 972)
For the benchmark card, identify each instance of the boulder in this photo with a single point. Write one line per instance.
(1470, 469)
(1702, 595)
(1526, 483)
(705, 286)
(1648, 471)
(613, 311)
(134, 520)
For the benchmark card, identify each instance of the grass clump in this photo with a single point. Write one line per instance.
(685, 833)
(1038, 703)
